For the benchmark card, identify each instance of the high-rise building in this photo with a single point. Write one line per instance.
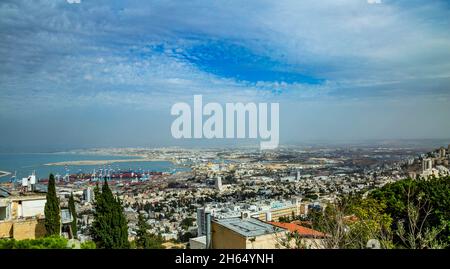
(218, 183)
(442, 152)
(268, 216)
(427, 164)
(88, 195)
(201, 221)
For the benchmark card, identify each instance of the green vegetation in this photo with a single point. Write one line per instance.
(109, 229)
(150, 241)
(311, 196)
(52, 210)
(405, 214)
(184, 237)
(88, 245)
(186, 223)
(50, 242)
(369, 222)
(145, 240)
(420, 210)
(73, 212)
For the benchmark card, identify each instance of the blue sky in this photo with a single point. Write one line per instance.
(105, 73)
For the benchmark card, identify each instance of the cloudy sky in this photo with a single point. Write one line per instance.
(105, 73)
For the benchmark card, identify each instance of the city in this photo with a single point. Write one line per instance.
(220, 189)
(233, 132)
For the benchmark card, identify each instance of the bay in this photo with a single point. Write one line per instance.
(23, 164)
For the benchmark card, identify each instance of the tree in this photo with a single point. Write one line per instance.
(332, 222)
(417, 235)
(73, 212)
(184, 236)
(405, 214)
(186, 223)
(351, 222)
(52, 210)
(371, 223)
(419, 209)
(146, 240)
(109, 229)
(142, 233)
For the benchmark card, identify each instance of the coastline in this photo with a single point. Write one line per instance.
(4, 173)
(103, 162)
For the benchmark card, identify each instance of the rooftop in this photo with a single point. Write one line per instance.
(66, 217)
(28, 197)
(248, 227)
(200, 239)
(301, 230)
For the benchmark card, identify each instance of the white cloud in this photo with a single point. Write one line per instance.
(353, 47)
(55, 58)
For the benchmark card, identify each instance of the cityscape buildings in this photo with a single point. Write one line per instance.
(243, 193)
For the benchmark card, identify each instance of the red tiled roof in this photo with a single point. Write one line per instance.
(301, 223)
(303, 231)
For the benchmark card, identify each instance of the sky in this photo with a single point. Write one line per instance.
(103, 73)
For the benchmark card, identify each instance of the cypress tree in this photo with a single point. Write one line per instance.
(73, 212)
(141, 233)
(52, 211)
(145, 239)
(110, 228)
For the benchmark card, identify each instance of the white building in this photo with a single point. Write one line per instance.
(218, 183)
(427, 164)
(88, 195)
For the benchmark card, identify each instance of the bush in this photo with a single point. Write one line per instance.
(88, 245)
(51, 242)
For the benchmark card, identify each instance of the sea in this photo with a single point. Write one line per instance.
(23, 164)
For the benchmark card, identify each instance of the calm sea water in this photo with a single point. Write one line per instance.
(25, 163)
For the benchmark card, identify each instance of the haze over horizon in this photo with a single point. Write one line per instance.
(78, 74)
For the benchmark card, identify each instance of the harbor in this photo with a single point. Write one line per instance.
(69, 165)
